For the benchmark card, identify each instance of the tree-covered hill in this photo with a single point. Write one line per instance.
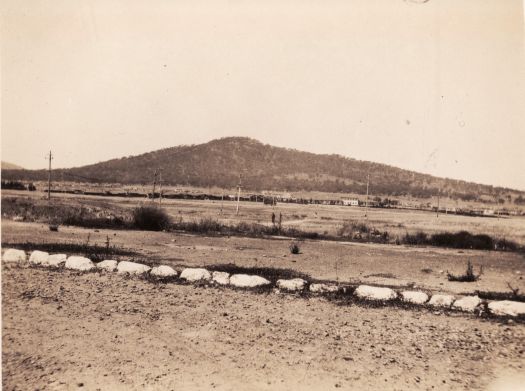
(265, 167)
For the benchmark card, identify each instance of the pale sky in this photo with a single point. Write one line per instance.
(437, 87)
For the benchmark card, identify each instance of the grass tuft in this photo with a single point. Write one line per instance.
(468, 276)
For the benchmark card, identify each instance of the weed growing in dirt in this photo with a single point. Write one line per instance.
(294, 248)
(469, 275)
(512, 295)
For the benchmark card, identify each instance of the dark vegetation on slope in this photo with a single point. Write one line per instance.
(265, 167)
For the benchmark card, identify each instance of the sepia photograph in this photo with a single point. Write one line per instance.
(262, 195)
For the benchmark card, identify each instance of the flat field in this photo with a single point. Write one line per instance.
(314, 218)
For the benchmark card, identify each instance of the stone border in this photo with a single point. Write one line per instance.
(472, 304)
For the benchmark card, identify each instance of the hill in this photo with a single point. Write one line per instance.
(265, 167)
(10, 166)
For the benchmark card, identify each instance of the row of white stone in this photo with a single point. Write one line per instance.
(467, 303)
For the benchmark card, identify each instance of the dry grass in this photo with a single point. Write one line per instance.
(315, 221)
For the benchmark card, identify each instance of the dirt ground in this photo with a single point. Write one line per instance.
(397, 266)
(66, 330)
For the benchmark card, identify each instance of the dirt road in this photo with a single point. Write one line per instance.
(64, 330)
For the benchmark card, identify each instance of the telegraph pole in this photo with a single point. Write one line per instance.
(238, 195)
(154, 184)
(160, 186)
(437, 210)
(50, 157)
(366, 202)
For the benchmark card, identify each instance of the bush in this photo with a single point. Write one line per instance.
(469, 275)
(204, 226)
(506, 245)
(150, 218)
(462, 239)
(349, 227)
(419, 238)
(294, 248)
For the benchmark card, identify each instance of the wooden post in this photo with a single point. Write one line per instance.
(49, 177)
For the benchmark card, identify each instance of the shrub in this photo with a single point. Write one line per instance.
(462, 239)
(150, 218)
(469, 275)
(203, 226)
(349, 227)
(294, 248)
(419, 238)
(506, 245)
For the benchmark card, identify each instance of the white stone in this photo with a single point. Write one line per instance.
(414, 297)
(79, 263)
(295, 284)
(467, 303)
(374, 293)
(441, 300)
(163, 271)
(109, 265)
(14, 255)
(38, 257)
(221, 278)
(56, 260)
(195, 274)
(246, 281)
(132, 268)
(507, 307)
(323, 288)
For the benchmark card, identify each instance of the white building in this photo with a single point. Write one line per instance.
(351, 202)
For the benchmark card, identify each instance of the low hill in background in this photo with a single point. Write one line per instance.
(265, 167)
(10, 166)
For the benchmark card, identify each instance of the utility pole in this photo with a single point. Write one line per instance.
(160, 186)
(154, 184)
(437, 210)
(366, 202)
(238, 195)
(50, 157)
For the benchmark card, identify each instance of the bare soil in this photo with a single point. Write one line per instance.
(399, 266)
(66, 330)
